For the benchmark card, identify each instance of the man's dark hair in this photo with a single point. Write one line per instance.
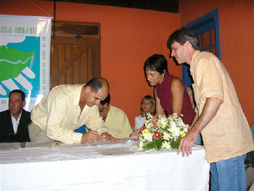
(156, 62)
(20, 92)
(96, 84)
(182, 35)
(107, 100)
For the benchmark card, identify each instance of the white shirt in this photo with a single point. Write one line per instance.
(15, 123)
(139, 122)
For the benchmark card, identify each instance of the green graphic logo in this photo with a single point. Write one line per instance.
(12, 62)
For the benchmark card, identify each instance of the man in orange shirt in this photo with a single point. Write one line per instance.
(225, 131)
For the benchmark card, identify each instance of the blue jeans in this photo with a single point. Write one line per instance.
(228, 175)
(199, 140)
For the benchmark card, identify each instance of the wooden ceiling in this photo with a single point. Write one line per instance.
(157, 5)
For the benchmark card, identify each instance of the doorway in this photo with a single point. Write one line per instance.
(208, 31)
(75, 53)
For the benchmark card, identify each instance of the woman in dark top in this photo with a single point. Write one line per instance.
(171, 95)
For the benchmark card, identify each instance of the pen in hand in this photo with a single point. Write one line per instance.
(98, 137)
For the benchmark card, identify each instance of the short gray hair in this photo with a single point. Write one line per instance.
(182, 35)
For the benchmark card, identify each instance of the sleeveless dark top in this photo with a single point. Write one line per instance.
(164, 93)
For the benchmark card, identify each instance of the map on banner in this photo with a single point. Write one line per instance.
(24, 57)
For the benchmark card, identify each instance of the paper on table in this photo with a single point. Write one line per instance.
(114, 151)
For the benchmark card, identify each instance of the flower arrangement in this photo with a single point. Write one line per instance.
(162, 133)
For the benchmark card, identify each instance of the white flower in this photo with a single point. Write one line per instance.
(148, 137)
(180, 122)
(166, 145)
(149, 116)
(175, 131)
(185, 128)
(171, 129)
(141, 144)
(166, 136)
(172, 125)
(148, 124)
(162, 122)
(174, 115)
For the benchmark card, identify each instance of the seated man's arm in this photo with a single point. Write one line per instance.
(126, 127)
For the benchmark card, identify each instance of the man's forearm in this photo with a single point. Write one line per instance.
(195, 119)
(210, 109)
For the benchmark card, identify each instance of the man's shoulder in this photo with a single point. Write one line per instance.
(116, 110)
(67, 87)
(203, 55)
(203, 59)
(4, 113)
(26, 116)
(27, 113)
(63, 92)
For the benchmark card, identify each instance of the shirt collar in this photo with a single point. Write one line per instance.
(196, 53)
(18, 117)
(77, 98)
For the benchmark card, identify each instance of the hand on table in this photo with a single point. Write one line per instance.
(90, 136)
(108, 138)
(186, 143)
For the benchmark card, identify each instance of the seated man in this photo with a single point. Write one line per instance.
(66, 108)
(114, 119)
(15, 120)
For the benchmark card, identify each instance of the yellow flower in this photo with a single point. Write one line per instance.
(182, 133)
(145, 132)
(147, 122)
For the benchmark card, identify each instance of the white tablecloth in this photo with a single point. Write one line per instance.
(119, 167)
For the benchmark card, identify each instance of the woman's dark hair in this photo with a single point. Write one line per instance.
(156, 62)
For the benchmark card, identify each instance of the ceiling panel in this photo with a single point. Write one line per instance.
(157, 5)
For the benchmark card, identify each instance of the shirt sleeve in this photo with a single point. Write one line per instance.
(208, 78)
(126, 127)
(54, 128)
(93, 120)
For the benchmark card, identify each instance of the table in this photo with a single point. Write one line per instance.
(99, 166)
